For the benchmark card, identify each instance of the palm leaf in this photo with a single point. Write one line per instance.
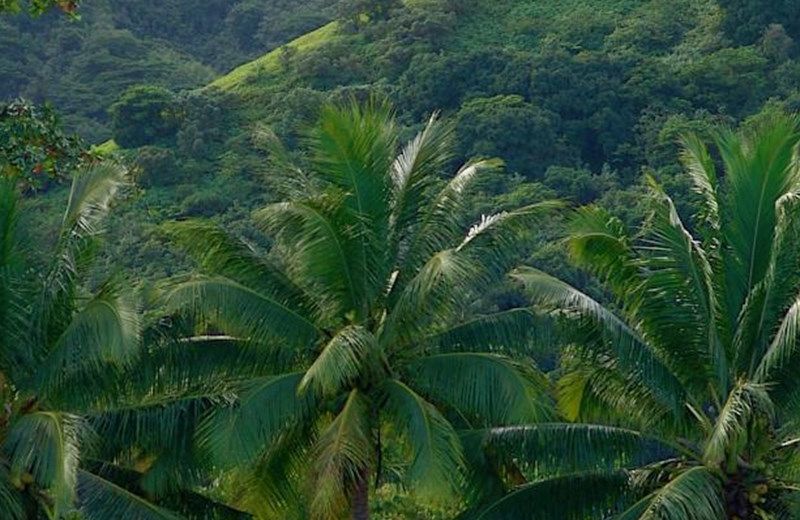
(219, 254)
(440, 222)
(678, 307)
(557, 448)
(634, 356)
(341, 360)
(568, 497)
(414, 173)
(46, 446)
(321, 258)
(760, 168)
(265, 409)
(489, 388)
(695, 494)
(513, 329)
(436, 457)
(10, 499)
(101, 499)
(766, 304)
(13, 312)
(103, 335)
(342, 452)
(699, 165)
(746, 401)
(353, 148)
(242, 311)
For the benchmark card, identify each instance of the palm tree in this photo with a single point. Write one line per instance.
(357, 324)
(66, 355)
(58, 343)
(689, 374)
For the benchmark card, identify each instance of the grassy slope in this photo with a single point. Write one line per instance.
(241, 78)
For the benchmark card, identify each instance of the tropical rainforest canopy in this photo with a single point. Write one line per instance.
(420, 259)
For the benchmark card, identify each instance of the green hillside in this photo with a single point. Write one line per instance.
(577, 97)
(83, 65)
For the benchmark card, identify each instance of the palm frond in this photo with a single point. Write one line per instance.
(695, 494)
(341, 360)
(273, 487)
(510, 330)
(415, 171)
(92, 192)
(436, 456)
(764, 307)
(700, 167)
(760, 169)
(431, 296)
(440, 223)
(353, 148)
(13, 312)
(596, 390)
(746, 401)
(568, 497)
(265, 408)
(342, 452)
(46, 445)
(634, 356)
(678, 308)
(101, 499)
(102, 335)
(321, 258)
(241, 311)
(10, 500)
(599, 243)
(498, 241)
(557, 448)
(219, 254)
(782, 349)
(489, 388)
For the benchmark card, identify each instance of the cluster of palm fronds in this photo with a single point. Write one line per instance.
(291, 382)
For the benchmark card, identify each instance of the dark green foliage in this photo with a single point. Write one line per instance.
(507, 126)
(359, 12)
(746, 20)
(156, 166)
(578, 184)
(442, 82)
(144, 115)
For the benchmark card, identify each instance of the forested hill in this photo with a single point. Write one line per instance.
(578, 97)
(84, 65)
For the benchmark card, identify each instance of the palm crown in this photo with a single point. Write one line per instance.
(356, 321)
(692, 367)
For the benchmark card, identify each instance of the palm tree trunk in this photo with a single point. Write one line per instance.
(360, 498)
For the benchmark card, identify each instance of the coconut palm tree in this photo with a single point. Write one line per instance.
(58, 342)
(65, 355)
(689, 373)
(358, 323)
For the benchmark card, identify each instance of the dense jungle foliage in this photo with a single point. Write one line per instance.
(399, 259)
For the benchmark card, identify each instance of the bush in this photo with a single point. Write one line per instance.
(156, 166)
(144, 115)
(508, 127)
(205, 204)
